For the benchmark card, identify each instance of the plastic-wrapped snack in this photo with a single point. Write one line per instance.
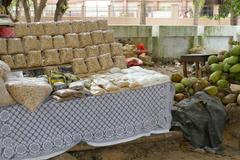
(93, 64)
(102, 24)
(50, 28)
(91, 25)
(116, 49)
(36, 28)
(97, 37)
(65, 93)
(58, 42)
(120, 62)
(105, 61)
(3, 46)
(66, 55)
(30, 43)
(85, 39)
(107, 85)
(104, 48)
(64, 27)
(34, 59)
(92, 51)
(78, 26)
(71, 40)
(96, 90)
(14, 45)
(9, 60)
(51, 57)
(134, 85)
(79, 66)
(46, 42)
(19, 61)
(79, 53)
(108, 36)
(121, 83)
(21, 29)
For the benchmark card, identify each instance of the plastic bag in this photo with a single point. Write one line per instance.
(91, 25)
(119, 62)
(8, 60)
(30, 43)
(78, 26)
(50, 28)
(85, 39)
(97, 37)
(108, 36)
(93, 64)
(36, 29)
(21, 29)
(102, 24)
(29, 92)
(64, 27)
(4, 69)
(65, 93)
(14, 45)
(19, 61)
(96, 90)
(105, 61)
(104, 48)
(116, 49)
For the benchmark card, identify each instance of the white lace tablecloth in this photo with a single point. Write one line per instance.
(98, 121)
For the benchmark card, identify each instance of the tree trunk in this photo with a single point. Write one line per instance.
(35, 6)
(61, 8)
(196, 12)
(143, 13)
(39, 11)
(26, 8)
(233, 19)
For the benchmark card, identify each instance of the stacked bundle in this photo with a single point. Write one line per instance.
(88, 45)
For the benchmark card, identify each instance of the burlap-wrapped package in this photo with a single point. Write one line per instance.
(91, 25)
(14, 45)
(19, 61)
(5, 97)
(116, 49)
(3, 46)
(59, 42)
(104, 48)
(9, 60)
(93, 64)
(119, 62)
(79, 66)
(92, 51)
(21, 29)
(105, 61)
(51, 57)
(97, 37)
(64, 27)
(108, 36)
(4, 69)
(34, 59)
(85, 39)
(48, 69)
(79, 53)
(71, 40)
(29, 92)
(46, 42)
(78, 26)
(50, 28)
(66, 55)
(102, 24)
(30, 43)
(36, 29)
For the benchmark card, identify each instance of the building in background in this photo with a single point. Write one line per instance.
(163, 12)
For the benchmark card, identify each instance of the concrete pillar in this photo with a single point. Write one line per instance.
(215, 9)
(83, 11)
(175, 12)
(125, 6)
(109, 11)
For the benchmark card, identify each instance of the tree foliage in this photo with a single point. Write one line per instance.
(229, 7)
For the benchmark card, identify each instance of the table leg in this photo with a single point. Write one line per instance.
(185, 69)
(197, 70)
(202, 65)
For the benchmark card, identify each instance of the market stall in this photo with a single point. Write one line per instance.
(101, 103)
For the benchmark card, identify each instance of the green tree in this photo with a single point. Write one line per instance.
(231, 7)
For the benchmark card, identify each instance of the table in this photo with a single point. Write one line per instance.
(96, 120)
(194, 58)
